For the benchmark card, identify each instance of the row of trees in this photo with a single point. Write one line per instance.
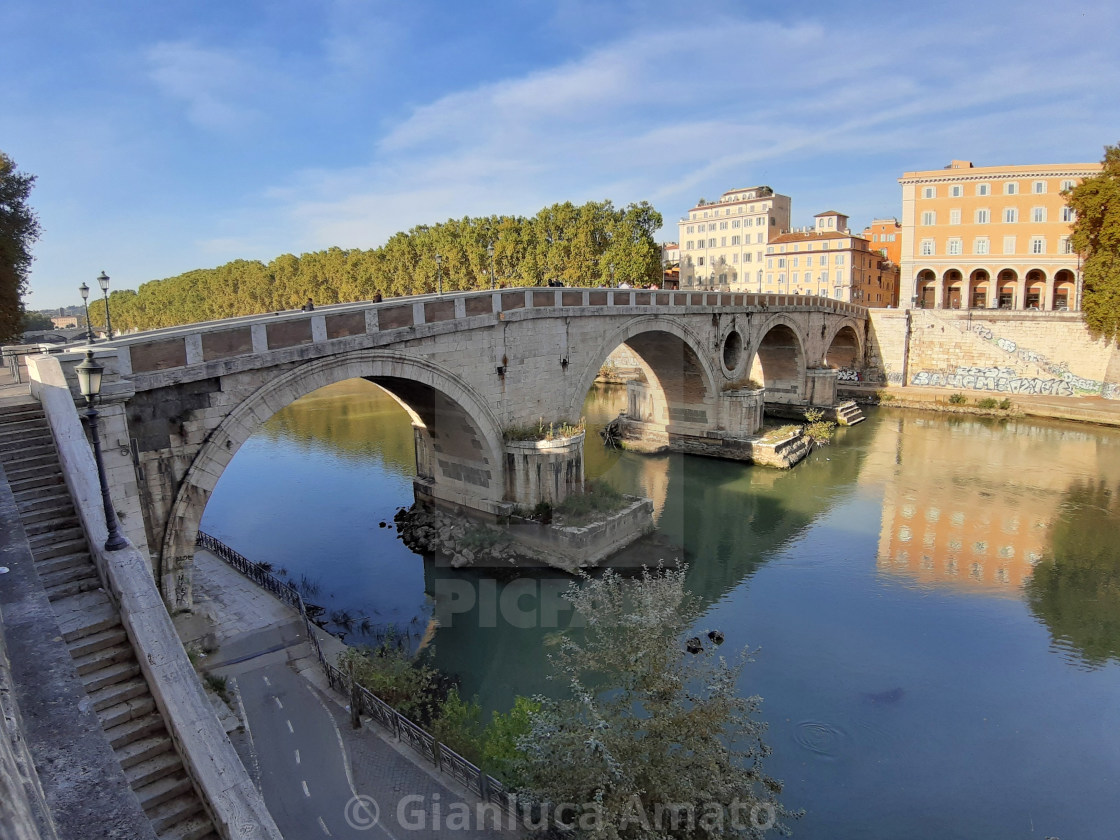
(588, 245)
(1096, 235)
(19, 228)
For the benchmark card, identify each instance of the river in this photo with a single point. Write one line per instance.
(934, 600)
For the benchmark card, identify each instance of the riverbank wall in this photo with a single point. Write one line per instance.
(1000, 353)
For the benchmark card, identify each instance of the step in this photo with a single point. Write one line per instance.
(32, 497)
(73, 587)
(98, 641)
(118, 672)
(132, 754)
(98, 660)
(58, 535)
(176, 810)
(17, 443)
(85, 614)
(131, 709)
(197, 827)
(145, 726)
(60, 548)
(30, 409)
(23, 425)
(105, 698)
(163, 789)
(25, 466)
(48, 512)
(41, 450)
(145, 772)
(66, 561)
(30, 482)
(47, 526)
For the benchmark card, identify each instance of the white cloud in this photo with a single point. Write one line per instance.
(216, 86)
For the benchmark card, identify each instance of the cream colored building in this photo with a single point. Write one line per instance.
(723, 243)
(830, 261)
(990, 236)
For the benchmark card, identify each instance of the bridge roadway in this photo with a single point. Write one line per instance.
(468, 368)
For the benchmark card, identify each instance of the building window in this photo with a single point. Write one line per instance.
(955, 248)
(1038, 214)
(747, 256)
(929, 192)
(711, 225)
(734, 223)
(955, 216)
(839, 276)
(758, 239)
(926, 248)
(1039, 187)
(734, 258)
(1009, 244)
(1065, 245)
(699, 260)
(1067, 185)
(1038, 245)
(712, 242)
(824, 259)
(839, 259)
(781, 262)
(1067, 214)
(688, 245)
(956, 191)
(929, 218)
(1010, 215)
(734, 240)
(982, 189)
(1011, 188)
(980, 245)
(983, 215)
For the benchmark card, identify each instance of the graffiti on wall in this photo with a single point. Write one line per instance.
(847, 375)
(1062, 381)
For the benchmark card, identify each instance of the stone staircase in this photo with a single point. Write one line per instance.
(848, 414)
(91, 627)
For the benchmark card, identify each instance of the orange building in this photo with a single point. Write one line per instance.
(830, 261)
(990, 236)
(885, 235)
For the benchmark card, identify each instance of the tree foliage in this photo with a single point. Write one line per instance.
(586, 245)
(652, 741)
(36, 321)
(1096, 235)
(19, 228)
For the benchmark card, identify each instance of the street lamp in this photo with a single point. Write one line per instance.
(84, 289)
(89, 382)
(490, 251)
(439, 275)
(103, 281)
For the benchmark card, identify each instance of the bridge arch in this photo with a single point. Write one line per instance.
(458, 440)
(678, 371)
(779, 359)
(844, 347)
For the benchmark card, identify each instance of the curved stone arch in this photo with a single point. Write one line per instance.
(185, 515)
(854, 326)
(632, 329)
(783, 380)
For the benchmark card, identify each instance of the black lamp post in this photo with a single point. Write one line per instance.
(103, 281)
(490, 251)
(89, 382)
(84, 289)
(439, 274)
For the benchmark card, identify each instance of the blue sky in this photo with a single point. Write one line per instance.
(183, 134)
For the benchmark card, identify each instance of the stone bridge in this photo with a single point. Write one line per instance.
(468, 368)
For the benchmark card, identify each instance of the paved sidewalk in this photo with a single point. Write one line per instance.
(250, 631)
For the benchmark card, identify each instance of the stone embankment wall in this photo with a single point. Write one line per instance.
(1033, 353)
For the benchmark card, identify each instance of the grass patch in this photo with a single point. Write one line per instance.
(218, 685)
(480, 537)
(957, 399)
(598, 499)
(987, 402)
(778, 434)
(543, 431)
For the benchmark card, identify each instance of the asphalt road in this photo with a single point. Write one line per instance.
(302, 763)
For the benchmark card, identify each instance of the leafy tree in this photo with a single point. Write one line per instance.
(19, 229)
(36, 321)
(1096, 235)
(654, 738)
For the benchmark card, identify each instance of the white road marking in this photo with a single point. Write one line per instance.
(297, 756)
(306, 792)
(266, 681)
(278, 703)
(290, 727)
(323, 826)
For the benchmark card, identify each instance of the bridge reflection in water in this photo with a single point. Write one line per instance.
(892, 689)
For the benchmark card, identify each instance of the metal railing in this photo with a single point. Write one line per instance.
(419, 739)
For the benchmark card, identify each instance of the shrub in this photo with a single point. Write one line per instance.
(818, 430)
(597, 499)
(389, 672)
(884, 396)
(1005, 404)
(987, 402)
(458, 723)
(545, 432)
(957, 399)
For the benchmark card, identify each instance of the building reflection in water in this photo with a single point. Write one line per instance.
(972, 503)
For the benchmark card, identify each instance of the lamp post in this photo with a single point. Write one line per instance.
(490, 251)
(84, 290)
(103, 281)
(89, 382)
(439, 275)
